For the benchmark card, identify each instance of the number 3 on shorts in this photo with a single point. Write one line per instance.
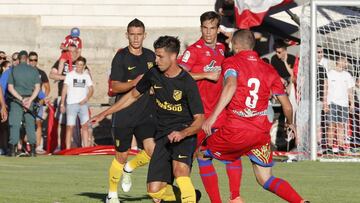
(253, 98)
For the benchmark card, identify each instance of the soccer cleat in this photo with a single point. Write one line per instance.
(126, 181)
(112, 200)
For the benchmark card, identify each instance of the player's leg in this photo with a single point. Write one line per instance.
(160, 174)
(144, 134)
(261, 159)
(234, 173)
(207, 172)
(84, 118)
(122, 140)
(182, 156)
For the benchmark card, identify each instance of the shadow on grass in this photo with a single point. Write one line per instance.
(122, 198)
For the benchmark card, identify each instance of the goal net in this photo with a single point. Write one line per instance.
(337, 79)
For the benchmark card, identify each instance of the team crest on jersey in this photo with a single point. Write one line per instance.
(221, 52)
(150, 65)
(186, 56)
(207, 53)
(177, 95)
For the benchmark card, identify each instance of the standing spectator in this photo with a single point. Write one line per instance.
(321, 98)
(78, 89)
(58, 73)
(2, 56)
(45, 87)
(5, 65)
(283, 62)
(3, 131)
(15, 59)
(24, 85)
(73, 38)
(340, 92)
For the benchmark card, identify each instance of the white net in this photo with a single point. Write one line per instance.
(337, 75)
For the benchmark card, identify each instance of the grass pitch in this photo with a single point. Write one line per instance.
(83, 179)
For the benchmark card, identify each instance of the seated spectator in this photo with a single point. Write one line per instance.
(340, 92)
(73, 38)
(45, 87)
(283, 62)
(78, 88)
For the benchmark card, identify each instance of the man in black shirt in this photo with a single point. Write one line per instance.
(180, 116)
(282, 61)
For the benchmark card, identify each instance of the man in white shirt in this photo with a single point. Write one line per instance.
(340, 92)
(78, 88)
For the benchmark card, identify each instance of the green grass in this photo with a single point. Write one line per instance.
(72, 179)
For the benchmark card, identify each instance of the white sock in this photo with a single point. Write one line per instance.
(112, 194)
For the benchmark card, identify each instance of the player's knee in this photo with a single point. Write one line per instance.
(181, 171)
(262, 179)
(155, 191)
(121, 157)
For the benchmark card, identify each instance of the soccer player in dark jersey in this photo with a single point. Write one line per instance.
(128, 66)
(248, 83)
(180, 116)
(203, 60)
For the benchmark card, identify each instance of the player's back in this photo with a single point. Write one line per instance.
(256, 80)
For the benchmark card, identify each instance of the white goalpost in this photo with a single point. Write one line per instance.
(328, 82)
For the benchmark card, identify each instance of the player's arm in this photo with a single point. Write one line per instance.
(286, 107)
(121, 87)
(194, 128)
(124, 102)
(225, 97)
(213, 76)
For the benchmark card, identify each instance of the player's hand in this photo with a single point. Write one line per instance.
(207, 125)
(137, 79)
(96, 119)
(214, 76)
(290, 131)
(4, 114)
(176, 136)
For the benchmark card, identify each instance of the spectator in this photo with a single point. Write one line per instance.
(78, 89)
(340, 92)
(322, 86)
(15, 59)
(2, 56)
(45, 87)
(4, 65)
(73, 38)
(24, 85)
(3, 131)
(58, 73)
(283, 62)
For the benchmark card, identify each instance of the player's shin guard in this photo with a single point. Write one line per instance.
(115, 172)
(234, 173)
(187, 189)
(210, 180)
(139, 160)
(282, 189)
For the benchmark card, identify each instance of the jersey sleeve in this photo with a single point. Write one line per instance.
(145, 83)
(277, 87)
(188, 59)
(117, 71)
(228, 69)
(193, 97)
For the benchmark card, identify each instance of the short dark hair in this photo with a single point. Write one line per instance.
(279, 43)
(33, 53)
(210, 15)
(136, 23)
(2, 52)
(82, 59)
(4, 63)
(169, 43)
(245, 37)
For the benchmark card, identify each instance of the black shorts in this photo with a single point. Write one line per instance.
(160, 167)
(123, 136)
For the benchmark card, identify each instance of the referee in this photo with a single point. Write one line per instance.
(128, 66)
(180, 116)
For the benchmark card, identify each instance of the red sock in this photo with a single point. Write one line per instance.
(210, 180)
(282, 189)
(234, 172)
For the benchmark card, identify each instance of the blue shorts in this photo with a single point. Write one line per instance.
(76, 110)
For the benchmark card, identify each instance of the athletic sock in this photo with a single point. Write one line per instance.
(209, 179)
(169, 194)
(234, 173)
(282, 189)
(115, 173)
(139, 160)
(187, 189)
